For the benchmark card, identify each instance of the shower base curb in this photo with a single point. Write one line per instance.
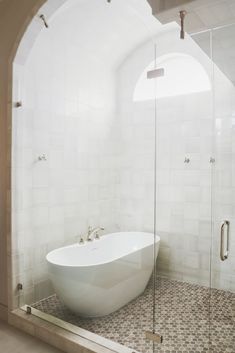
(59, 337)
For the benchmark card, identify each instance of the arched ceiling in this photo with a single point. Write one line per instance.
(108, 31)
(111, 31)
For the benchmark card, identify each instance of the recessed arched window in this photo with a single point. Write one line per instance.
(183, 74)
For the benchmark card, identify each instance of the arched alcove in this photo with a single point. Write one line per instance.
(183, 75)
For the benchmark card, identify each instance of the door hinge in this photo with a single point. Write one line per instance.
(155, 337)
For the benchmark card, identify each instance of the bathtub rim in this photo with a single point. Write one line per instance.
(51, 263)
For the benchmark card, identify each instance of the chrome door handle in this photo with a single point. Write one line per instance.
(224, 254)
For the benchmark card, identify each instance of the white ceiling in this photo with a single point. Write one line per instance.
(109, 31)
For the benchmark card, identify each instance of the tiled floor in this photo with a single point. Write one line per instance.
(185, 316)
(15, 341)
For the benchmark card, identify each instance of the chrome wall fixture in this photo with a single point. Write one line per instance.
(44, 20)
(19, 286)
(42, 158)
(18, 104)
(182, 18)
(212, 160)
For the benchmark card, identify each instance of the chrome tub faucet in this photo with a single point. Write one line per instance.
(93, 233)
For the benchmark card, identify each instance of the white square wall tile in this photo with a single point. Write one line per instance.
(40, 216)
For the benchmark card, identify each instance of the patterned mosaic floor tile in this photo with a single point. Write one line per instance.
(188, 316)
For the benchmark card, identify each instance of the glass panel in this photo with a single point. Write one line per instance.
(84, 154)
(223, 275)
(183, 191)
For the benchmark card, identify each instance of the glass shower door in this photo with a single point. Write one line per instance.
(223, 195)
(184, 121)
(195, 205)
(98, 171)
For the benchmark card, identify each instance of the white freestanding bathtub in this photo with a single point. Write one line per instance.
(99, 277)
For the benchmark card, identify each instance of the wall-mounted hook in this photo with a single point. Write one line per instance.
(186, 160)
(42, 158)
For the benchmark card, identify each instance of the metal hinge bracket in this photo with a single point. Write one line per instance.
(155, 337)
(28, 310)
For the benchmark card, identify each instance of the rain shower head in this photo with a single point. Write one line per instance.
(182, 18)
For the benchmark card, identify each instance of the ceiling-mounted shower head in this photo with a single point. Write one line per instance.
(182, 18)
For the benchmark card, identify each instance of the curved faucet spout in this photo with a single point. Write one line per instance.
(94, 233)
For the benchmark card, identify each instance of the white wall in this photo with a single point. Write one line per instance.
(183, 191)
(68, 114)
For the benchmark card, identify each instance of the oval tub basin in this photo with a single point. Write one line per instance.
(99, 277)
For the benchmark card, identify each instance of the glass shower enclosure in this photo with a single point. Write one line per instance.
(141, 142)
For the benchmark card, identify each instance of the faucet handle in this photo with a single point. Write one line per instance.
(93, 233)
(81, 240)
(97, 236)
